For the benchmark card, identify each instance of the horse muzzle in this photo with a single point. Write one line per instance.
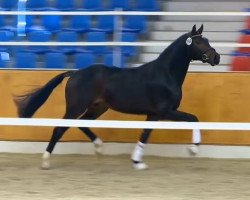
(211, 57)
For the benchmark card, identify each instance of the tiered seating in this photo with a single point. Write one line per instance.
(148, 5)
(39, 36)
(83, 60)
(25, 60)
(241, 58)
(67, 36)
(55, 60)
(104, 23)
(80, 24)
(96, 37)
(47, 28)
(8, 5)
(135, 23)
(109, 61)
(118, 4)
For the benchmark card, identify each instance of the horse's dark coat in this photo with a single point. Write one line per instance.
(153, 89)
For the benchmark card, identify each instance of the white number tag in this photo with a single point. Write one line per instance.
(189, 41)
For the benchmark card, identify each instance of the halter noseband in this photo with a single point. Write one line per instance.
(204, 56)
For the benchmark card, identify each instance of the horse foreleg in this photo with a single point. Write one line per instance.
(98, 143)
(196, 134)
(196, 140)
(138, 152)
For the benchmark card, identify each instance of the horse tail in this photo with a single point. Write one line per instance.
(28, 104)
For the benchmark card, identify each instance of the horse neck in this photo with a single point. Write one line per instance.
(175, 60)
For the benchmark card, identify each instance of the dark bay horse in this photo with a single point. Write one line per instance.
(153, 89)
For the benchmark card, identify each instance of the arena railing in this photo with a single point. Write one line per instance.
(120, 13)
(124, 124)
(49, 122)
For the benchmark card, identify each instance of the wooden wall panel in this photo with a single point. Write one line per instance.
(213, 97)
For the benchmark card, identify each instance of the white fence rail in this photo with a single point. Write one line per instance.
(145, 44)
(126, 13)
(124, 124)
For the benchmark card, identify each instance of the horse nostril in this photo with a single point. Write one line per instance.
(204, 57)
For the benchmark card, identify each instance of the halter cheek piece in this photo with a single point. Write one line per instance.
(204, 56)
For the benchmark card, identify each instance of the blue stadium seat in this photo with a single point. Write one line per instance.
(135, 23)
(9, 5)
(55, 60)
(108, 60)
(39, 36)
(118, 4)
(105, 23)
(67, 36)
(8, 24)
(97, 37)
(50, 23)
(37, 5)
(29, 22)
(25, 60)
(91, 5)
(64, 5)
(147, 5)
(5, 36)
(79, 23)
(129, 50)
(83, 60)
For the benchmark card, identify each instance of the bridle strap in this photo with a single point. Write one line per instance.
(204, 56)
(198, 35)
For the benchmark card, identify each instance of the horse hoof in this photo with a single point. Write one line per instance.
(98, 144)
(193, 149)
(45, 165)
(140, 166)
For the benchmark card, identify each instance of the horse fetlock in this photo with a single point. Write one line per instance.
(45, 160)
(193, 149)
(138, 152)
(98, 145)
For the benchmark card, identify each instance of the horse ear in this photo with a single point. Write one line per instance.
(193, 32)
(200, 29)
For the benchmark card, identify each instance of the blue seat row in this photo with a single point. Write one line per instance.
(81, 24)
(89, 5)
(55, 60)
(69, 36)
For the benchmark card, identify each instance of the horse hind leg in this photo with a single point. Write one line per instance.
(94, 112)
(71, 113)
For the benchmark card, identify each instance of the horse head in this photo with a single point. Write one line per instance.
(200, 48)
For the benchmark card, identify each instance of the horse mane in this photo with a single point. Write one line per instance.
(169, 51)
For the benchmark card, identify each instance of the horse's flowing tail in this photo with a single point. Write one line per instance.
(28, 104)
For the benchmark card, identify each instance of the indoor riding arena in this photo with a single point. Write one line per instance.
(112, 71)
